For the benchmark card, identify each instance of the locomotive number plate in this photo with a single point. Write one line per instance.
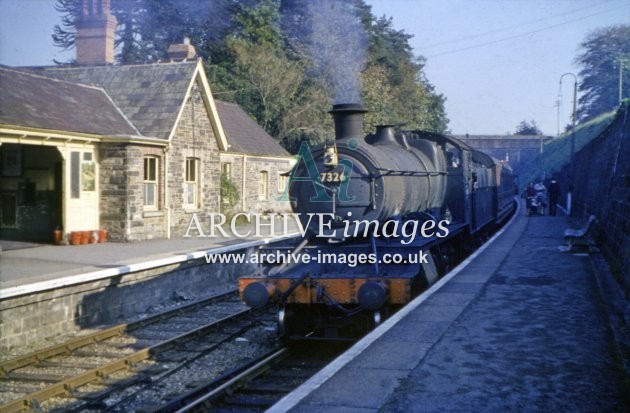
(332, 176)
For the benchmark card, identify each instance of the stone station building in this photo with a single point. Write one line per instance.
(135, 150)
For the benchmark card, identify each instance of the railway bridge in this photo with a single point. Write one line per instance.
(517, 150)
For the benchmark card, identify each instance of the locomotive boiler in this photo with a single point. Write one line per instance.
(386, 215)
(373, 180)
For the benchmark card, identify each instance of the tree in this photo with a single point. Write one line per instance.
(129, 39)
(528, 128)
(64, 35)
(282, 60)
(603, 51)
(146, 28)
(271, 86)
(407, 96)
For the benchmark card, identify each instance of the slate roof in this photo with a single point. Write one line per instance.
(243, 133)
(149, 95)
(39, 102)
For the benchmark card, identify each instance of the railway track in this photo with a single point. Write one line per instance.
(85, 372)
(258, 384)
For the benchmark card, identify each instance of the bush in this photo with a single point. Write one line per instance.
(229, 195)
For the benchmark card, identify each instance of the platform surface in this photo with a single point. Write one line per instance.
(23, 263)
(520, 328)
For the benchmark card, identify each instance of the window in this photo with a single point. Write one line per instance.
(150, 182)
(192, 182)
(263, 185)
(226, 169)
(75, 174)
(82, 173)
(454, 156)
(88, 173)
(282, 182)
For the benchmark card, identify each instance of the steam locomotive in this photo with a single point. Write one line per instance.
(386, 215)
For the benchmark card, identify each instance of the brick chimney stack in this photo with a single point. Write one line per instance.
(182, 51)
(95, 33)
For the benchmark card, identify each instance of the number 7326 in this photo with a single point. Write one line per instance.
(332, 177)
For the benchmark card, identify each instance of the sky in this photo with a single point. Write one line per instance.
(497, 62)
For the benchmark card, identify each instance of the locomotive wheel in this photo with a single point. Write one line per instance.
(282, 327)
(297, 320)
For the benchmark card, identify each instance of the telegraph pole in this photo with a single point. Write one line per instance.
(572, 161)
(574, 110)
(621, 61)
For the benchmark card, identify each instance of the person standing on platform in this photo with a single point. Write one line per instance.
(541, 196)
(554, 196)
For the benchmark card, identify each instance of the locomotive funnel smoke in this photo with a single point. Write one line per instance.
(337, 43)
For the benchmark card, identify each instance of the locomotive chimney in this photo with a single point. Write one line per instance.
(348, 118)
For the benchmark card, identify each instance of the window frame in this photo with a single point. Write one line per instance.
(195, 182)
(263, 186)
(75, 175)
(226, 168)
(88, 172)
(147, 181)
(283, 180)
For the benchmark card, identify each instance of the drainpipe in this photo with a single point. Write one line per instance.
(244, 174)
(166, 206)
(128, 216)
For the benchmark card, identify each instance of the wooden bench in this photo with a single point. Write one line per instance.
(581, 236)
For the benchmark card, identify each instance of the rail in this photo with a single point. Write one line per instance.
(69, 385)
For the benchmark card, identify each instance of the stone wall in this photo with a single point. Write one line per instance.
(143, 224)
(254, 202)
(601, 176)
(27, 320)
(248, 188)
(122, 180)
(122, 193)
(122, 174)
(113, 186)
(193, 138)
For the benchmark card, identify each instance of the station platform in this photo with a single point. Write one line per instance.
(520, 326)
(28, 267)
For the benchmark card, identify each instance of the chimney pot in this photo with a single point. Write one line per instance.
(182, 51)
